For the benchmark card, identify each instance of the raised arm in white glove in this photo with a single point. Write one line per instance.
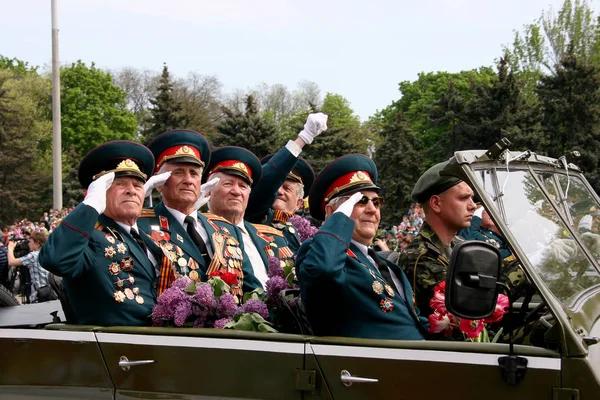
(96, 192)
(315, 124)
(348, 206)
(155, 181)
(562, 250)
(478, 212)
(204, 190)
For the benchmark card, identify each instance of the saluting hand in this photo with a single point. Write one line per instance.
(155, 181)
(315, 124)
(348, 206)
(96, 192)
(204, 190)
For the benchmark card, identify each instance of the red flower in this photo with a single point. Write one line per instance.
(440, 323)
(438, 302)
(441, 287)
(501, 309)
(228, 277)
(472, 327)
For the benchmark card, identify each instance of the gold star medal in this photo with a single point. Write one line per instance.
(114, 268)
(119, 296)
(389, 291)
(109, 252)
(377, 287)
(121, 248)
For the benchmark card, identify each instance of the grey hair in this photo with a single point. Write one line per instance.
(300, 190)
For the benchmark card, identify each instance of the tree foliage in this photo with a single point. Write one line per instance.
(165, 113)
(93, 108)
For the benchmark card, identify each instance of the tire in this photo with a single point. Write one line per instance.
(6, 298)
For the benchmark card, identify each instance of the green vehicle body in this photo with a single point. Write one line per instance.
(58, 361)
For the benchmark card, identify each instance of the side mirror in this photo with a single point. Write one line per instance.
(471, 281)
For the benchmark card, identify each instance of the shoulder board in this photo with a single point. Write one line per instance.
(268, 229)
(147, 213)
(99, 226)
(214, 217)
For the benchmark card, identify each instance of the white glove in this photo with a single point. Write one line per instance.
(315, 124)
(348, 206)
(204, 189)
(562, 250)
(155, 181)
(478, 212)
(96, 192)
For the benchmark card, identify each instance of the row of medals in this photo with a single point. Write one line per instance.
(233, 254)
(125, 265)
(378, 287)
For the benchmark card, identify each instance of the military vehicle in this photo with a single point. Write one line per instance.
(545, 209)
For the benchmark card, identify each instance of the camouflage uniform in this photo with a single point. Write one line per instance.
(424, 262)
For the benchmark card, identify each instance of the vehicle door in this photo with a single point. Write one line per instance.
(202, 363)
(429, 369)
(60, 362)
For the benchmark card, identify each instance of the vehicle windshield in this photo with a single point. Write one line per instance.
(540, 232)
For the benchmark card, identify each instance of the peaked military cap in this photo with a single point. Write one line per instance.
(234, 160)
(122, 157)
(345, 175)
(301, 173)
(180, 145)
(432, 183)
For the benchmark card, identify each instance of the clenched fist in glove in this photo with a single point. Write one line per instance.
(315, 124)
(204, 190)
(96, 192)
(155, 181)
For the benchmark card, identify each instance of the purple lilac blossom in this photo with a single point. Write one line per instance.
(181, 283)
(220, 323)
(182, 311)
(304, 228)
(275, 268)
(274, 286)
(226, 306)
(161, 315)
(256, 306)
(205, 296)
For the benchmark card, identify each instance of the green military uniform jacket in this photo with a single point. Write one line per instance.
(477, 232)
(270, 242)
(186, 260)
(260, 205)
(107, 276)
(345, 295)
(425, 261)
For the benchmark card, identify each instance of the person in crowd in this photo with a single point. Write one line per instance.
(199, 244)
(39, 276)
(109, 267)
(449, 207)
(349, 290)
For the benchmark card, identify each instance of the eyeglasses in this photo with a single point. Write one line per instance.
(377, 201)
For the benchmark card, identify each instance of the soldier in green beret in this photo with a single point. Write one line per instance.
(109, 267)
(448, 205)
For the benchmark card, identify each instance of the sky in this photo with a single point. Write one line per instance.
(358, 49)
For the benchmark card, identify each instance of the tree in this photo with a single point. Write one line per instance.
(448, 113)
(165, 113)
(25, 129)
(396, 158)
(248, 129)
(93, 108)
(571, 104)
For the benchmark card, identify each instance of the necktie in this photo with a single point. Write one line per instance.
(139, 240)
(196, 238)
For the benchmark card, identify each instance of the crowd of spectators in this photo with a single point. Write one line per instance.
(397, 237)
(19, 245)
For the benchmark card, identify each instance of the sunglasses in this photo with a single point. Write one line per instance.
(377, 201)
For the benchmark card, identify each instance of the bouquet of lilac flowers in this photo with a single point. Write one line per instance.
(188, 303)
(304, 228)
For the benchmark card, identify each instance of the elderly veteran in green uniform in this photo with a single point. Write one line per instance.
(290, 198)
(285, 179)
(448, 205)
(108, 266)
(197, 244)
(348, 290)
(239, 172)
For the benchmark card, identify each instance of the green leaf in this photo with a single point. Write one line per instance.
(191, 288)
(219, 286)
(267, 328)
(497, 336)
